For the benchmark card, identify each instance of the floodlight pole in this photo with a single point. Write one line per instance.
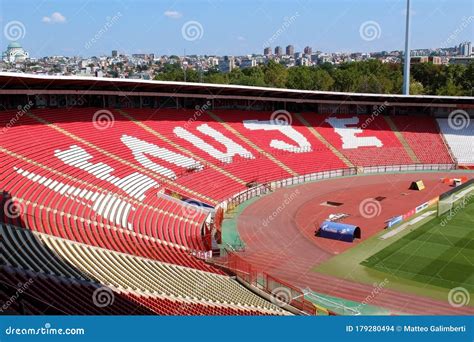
(406, 66)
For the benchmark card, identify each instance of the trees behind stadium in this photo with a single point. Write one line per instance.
(370, 76)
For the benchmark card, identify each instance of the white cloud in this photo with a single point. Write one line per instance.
(241, 38)
(55, 18)
(173, 14)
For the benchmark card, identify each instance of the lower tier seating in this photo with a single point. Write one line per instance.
(51, 295)
(143, 280)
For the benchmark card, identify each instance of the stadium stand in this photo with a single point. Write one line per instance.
(77, 194)
(142, 280)
(47, 294)
(284, 144)
(364, 140)
(127, 205)
(423, 136)
(52, 295)
(460, 140)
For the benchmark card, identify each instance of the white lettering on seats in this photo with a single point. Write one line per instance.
(141, 148)
(135, 184)
(348, 134)
(302, 144)
(232, 148)
(107, 205)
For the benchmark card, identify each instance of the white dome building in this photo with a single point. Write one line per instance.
(15, 53)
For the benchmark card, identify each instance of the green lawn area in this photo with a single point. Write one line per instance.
(426, 259)
(439, 253)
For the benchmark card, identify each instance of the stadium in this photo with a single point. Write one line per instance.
(130, 197)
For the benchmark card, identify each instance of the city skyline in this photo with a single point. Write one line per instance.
(79, 28)
(306, 50)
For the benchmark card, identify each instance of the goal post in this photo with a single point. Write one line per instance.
(458, 196)
(444, 205)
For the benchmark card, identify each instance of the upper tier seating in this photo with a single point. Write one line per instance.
(460, 139)
(424, 138)
(365, 140)
(106, 193)
(126, 201)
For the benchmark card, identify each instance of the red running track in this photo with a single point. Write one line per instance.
(286, 248)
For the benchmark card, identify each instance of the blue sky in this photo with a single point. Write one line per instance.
(228, 27)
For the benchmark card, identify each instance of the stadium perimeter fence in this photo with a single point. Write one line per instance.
(263, 188)
(280, 292)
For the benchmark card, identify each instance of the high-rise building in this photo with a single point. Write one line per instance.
(308, 50)
(267, 51)
(114, 53)
(278, 51)
(290, 50)
(227, 64)
(465, 49)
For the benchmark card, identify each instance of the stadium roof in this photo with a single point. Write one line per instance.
(29, 84)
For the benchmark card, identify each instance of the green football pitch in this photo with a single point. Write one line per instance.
(439, 253)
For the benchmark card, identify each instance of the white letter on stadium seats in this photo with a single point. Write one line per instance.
(107, 205)
(348, 134)
(232, 148)
(135, 184)
(140, 148)
(303, 144)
